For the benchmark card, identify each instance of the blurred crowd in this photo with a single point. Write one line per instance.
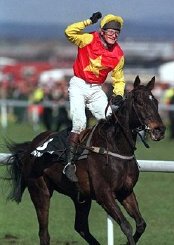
(47, 98)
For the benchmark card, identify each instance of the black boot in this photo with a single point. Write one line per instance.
(70, 169)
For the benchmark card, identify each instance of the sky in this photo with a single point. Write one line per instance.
(67, 11)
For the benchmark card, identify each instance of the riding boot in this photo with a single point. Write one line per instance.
(70, 168)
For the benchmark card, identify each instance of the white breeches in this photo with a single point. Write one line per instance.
(81, 95)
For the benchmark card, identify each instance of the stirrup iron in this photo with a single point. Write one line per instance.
(64, 169)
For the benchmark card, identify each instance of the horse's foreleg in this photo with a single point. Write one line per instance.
(107, 200)
(131, 205)
(40, 197)
(81, 221)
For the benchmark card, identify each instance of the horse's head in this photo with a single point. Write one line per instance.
(145, 106)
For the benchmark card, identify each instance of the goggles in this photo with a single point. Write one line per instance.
(111, 32)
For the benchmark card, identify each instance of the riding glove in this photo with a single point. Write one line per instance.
(95, 17)
(117, 100)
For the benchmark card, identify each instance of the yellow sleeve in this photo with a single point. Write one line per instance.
(118, 78)
(75, 33)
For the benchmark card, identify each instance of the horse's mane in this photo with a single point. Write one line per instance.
(119, 118)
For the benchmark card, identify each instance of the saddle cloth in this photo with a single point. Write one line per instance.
(56, 145)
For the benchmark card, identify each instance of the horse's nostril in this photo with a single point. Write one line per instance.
(158, 133)
(160, 129)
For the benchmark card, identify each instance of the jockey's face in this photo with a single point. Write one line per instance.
(110, 36)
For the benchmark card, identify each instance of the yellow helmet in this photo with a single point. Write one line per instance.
(111, 18)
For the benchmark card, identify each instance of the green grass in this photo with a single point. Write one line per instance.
(154, 193)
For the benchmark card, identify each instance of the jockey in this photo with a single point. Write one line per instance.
(98, 54)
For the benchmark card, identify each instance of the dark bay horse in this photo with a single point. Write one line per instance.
(108, 174)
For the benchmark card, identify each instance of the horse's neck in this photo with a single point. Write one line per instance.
(115, 135)
(124, 134)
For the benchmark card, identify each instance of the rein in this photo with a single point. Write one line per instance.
(137, 130)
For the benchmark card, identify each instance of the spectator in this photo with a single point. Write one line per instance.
(61, 96)
(36, 109)
(169, 100)
(47, 115)
(21, 93)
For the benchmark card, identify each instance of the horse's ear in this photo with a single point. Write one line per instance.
(151, 84)
(137, 82)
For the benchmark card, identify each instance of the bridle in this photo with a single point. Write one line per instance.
(142, 127)
(136, 130)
